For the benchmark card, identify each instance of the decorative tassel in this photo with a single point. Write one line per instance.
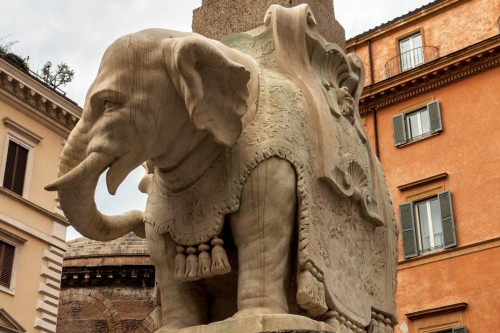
(381, 326)
(191, 273)
(343, 327)
(311, 293)
(373, 326)
(220, 263)
(388, 325)
(320, 297)
(305, 290)
(333, 320)
(180, 262)
(204, 262)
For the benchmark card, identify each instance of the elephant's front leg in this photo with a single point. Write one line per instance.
(183, 304)
(263, 230)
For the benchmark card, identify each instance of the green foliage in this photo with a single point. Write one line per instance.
(62, 75)
(14, 59)
(17, 61)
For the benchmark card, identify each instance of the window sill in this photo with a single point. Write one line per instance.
(419, 139)
(448, 253)
(8, 291)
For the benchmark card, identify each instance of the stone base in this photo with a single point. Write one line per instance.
(260, 323)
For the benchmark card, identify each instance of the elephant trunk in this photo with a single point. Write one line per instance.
(78, 176)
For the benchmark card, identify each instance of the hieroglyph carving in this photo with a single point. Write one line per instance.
(257, 163)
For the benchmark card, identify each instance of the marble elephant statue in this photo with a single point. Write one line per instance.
(264, 196)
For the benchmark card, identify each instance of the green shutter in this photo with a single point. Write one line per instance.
(461, 329)
(447, 219)
(408, 230)
(398, 129)
(435, 116)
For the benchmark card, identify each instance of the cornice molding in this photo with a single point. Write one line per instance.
(445, 254)
(400, 22)
(95, 276)
(437, 311)
(433, 75)
(423, 181)
(14, 126)
(38, 99)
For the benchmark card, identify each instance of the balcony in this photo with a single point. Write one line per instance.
(410, 59)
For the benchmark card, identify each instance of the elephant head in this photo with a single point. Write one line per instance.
(158, 96)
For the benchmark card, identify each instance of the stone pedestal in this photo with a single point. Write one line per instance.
(219, 18)
(261, 323)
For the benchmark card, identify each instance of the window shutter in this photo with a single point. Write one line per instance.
(398, 130)
(461, 329)
(6, 262)
(408, 230)
(447, 219)
(435, 116)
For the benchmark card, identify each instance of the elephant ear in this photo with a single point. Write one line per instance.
(213, 86)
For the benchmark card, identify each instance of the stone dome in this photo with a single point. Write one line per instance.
(107, 287)
(129, 244)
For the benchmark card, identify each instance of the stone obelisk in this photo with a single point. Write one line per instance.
(219, 18)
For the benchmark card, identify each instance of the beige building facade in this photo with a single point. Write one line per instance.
(35, 120)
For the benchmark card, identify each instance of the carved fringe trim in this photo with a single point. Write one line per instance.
(200, 263)
(380, 324)
(311, 291)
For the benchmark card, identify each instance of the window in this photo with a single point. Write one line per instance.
(411, 52)
(427, 224)
(7, 252)
(18, 158)
(417, 124)
(15, 167)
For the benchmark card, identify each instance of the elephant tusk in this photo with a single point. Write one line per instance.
(94, 163)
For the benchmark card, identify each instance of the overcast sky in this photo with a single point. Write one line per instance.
(77, 32)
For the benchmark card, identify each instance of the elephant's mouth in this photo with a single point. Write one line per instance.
(95, 163)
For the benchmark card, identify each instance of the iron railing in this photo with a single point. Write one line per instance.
(410, 59)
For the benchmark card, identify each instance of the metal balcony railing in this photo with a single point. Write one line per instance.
(36, 76)
(410, 59)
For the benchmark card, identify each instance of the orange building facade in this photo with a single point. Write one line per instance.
(35, 120)
(430, 107)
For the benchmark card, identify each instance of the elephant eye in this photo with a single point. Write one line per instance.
(108, 105)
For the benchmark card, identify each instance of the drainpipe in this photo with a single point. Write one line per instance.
(375, 132)
(374, 110)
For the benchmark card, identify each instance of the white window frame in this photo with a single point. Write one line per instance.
(26, 139)
(411, 52)
(410, 135)
(432, 244)
(16, 241)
